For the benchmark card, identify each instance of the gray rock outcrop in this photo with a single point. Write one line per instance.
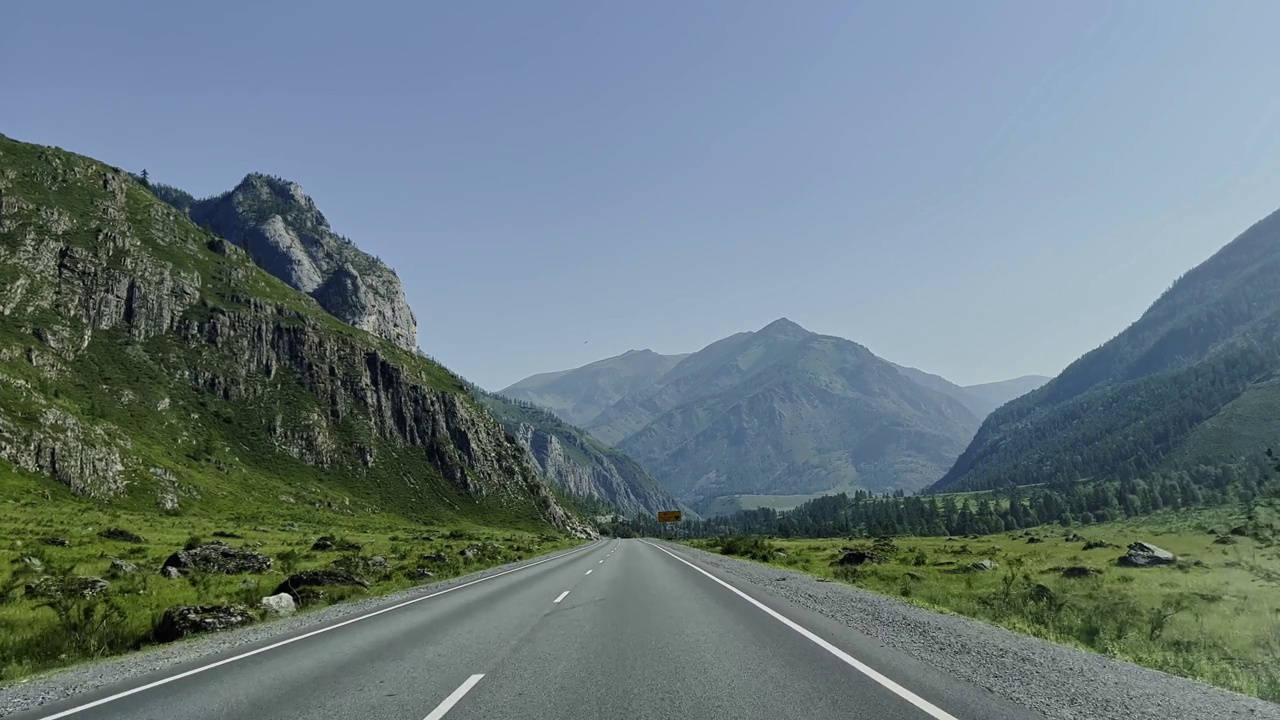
(1143, 554)
(179, 622)
(218, 558)
(285, 233)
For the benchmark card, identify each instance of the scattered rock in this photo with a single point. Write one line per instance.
(170, 572)
(1041, 594)
(437, 557)
(32, 562)
(280, 604)
(470, 552)
(318, 578)
(227, 534)
(219, 558)
(860, 557)
(1033, 540)
(57, 542)
(420, 574)
(1146, 555)
(913, 576)
(984, 565)
(972, 536)
(1240, 530)
(377, 562)
(1099, 545)
(996, 549)
(179, 622)
(325, 542)
(1074, 537)
(291, 527)
(123, 567)
(1225, 540)
(1079, 571)
(121, 535)
(50, 587)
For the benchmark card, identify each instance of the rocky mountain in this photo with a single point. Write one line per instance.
(576, 462)
(786, 411)
(579, 395)
(1194, 381)
(146, 361)
(284, 232)
(980, 399)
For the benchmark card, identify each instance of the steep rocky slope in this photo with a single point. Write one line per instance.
(284, 232)
(148, 362)
(1192, 381)
(576, 462)
(579, 395)
(786, 411)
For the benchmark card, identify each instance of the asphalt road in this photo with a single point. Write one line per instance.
(617, 629)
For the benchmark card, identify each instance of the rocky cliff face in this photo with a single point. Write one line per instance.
(285, 233)
(137, 351)
(574, 461)
(593, 475)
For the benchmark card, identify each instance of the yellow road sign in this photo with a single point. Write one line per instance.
(668, 516)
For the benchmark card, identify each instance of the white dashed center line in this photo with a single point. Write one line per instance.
(590, 571)
(566, 592)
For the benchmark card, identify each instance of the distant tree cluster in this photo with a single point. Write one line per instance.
(1074, 503)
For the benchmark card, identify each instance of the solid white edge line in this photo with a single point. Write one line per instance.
(562, 596)
(241, 656)
(453, 698)
(856, 664)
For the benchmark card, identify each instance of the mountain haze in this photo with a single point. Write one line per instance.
(579, 395)
(1196, 379)
(980, 399)
(786, 411)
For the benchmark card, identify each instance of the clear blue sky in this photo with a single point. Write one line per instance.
(979, 189)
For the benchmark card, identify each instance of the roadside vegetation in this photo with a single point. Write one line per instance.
(80, 580)
(1213, 615)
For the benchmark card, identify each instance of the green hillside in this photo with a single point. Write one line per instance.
(1191, 380)
(146, 363)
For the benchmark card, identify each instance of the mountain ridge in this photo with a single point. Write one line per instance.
(1147, 398)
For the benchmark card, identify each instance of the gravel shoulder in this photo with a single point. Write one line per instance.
(1059, 682)
(55, 685)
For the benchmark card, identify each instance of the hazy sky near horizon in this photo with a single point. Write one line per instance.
(978, 189)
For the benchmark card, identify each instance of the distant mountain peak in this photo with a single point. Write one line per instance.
(783, 326)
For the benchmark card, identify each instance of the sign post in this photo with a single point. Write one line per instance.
(668, 516)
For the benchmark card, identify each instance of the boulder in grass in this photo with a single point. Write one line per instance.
(179, 622)
(122, 535)
(280, 605)
(219, 558)
(1143, 554)
(318, 578)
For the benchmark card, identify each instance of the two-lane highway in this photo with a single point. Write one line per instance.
(617, 629)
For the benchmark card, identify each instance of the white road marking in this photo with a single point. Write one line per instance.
(600, 562)
(933, 710)
(591, 571)
(453, 698)
(562, 595)
(241, 656)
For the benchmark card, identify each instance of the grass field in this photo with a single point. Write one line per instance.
(1214, 616)
(38, 634)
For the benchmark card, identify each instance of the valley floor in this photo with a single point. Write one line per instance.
(1213, 616)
